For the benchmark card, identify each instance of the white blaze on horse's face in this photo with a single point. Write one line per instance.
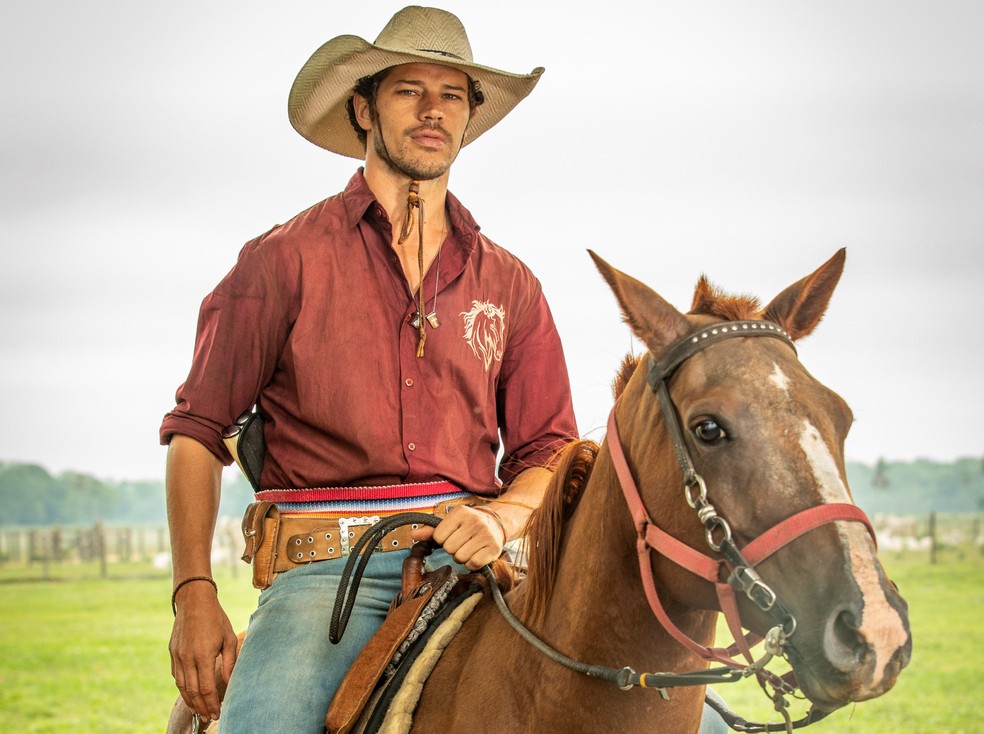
(824, 465)
(779, 379)
(880, 625)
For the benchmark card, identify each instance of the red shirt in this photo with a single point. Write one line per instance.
(312, 326)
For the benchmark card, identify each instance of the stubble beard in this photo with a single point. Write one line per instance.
(417, 169)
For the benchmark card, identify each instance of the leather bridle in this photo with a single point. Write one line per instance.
(738, 563)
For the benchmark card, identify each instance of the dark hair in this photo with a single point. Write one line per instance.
(366, 88)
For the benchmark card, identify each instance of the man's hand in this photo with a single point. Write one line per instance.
(471, 536)
(475, 537)
(202, 632)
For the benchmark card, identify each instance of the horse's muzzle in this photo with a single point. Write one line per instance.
(861, 654)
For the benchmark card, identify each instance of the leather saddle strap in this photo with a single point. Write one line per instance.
(356, 689)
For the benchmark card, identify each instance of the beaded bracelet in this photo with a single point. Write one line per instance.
(494, 514)
(174, 594)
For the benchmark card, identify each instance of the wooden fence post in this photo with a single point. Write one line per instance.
(124, 539)
(932, 538)
(57, 543)
(99, 541)
(17, 546)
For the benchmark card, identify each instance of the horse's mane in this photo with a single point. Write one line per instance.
(625, 371)
(545, 528)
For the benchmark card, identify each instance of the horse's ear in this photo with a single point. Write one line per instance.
(799, 308)
(652, 319)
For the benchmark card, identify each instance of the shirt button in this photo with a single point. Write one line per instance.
(412, 446)
(408, 382)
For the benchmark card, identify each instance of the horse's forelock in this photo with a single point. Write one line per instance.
(711, 301)
(546, 525)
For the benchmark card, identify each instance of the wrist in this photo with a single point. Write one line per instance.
(189, 581)
(514, 515)
(498, 519)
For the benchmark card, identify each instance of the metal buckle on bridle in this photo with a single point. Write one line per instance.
(625, 679)
(712, 522)
(701, 498)
(748, 580)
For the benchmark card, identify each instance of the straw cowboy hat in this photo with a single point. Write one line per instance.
(317, 102)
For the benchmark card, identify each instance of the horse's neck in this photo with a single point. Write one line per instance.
(597, 614)
(599, 607)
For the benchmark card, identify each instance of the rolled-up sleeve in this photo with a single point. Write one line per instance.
(536, 415)
(242, 327)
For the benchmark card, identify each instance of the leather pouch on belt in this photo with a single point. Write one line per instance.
(261, 525)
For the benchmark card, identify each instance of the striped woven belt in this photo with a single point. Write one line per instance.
(351, 501)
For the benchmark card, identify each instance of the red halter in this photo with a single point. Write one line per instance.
(741, 563)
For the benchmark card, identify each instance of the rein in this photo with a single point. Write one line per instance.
(625, 678)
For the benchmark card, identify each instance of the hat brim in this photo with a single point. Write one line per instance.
(317, 102)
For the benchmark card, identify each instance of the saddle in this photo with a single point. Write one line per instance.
(426, 601)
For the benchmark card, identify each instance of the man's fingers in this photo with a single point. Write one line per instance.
(476, 552)
(209, 691)
(471, 537)
(179, 680)
(187, 683)
(229, 653)
(424, 532)
(194, 676)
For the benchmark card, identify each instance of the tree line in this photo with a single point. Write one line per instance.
(918, 487)
(31, 496)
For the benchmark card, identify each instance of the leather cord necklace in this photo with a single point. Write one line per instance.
(416, 201)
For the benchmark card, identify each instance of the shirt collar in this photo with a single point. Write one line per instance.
(358, 198)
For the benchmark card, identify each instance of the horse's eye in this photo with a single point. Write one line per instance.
(709, 432)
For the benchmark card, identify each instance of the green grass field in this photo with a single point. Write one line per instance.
(83, 654)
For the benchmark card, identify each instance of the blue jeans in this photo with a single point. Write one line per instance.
(288, 671)
(710, 721)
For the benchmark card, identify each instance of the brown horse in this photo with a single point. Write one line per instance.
(767, 439)
(759, 448)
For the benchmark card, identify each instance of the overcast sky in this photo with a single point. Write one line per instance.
(143, 143)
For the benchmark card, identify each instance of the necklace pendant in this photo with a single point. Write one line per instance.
(431, 319)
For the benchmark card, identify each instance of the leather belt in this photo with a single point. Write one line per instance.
(276, 543)
(307, 540)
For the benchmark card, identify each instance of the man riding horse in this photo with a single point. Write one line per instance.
(386, 347)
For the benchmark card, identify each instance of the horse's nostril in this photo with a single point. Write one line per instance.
(844, 644)
(846, 626)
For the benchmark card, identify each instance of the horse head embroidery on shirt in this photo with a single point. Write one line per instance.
(485, 330)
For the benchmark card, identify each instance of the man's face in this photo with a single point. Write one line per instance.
(421, 114)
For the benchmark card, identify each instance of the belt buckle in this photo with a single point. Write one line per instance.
(344, 523)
